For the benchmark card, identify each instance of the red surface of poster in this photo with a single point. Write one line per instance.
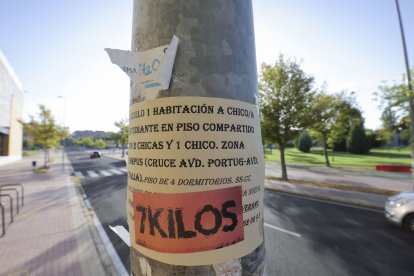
(189, 222)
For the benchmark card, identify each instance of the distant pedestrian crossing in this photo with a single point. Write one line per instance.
(100, 173)
(92, 174)
(114, 171)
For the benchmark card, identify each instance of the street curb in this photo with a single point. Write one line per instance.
(327, 198)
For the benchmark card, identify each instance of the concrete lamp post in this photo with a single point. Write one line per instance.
(195, 159)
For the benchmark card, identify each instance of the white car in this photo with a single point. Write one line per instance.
(399, 210)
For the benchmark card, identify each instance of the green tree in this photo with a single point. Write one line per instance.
(393, 96)
(403, 128)
(304, 142)
(285, 93)
(324, 114)
(115, 136)
(357, 141)
(396, 102)
(389, 121)
(77, 142)
(122, 126)
(88, 142)
(348, 114)
(100, 143)
(45, 132)
(373, 138)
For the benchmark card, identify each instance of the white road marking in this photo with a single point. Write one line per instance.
(92, 174)
(282, 230)
(105, 173)
(79, 175)
(116, 171)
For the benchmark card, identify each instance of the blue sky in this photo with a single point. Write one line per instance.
(56, 48)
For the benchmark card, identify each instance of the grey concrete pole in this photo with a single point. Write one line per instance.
(215, 58)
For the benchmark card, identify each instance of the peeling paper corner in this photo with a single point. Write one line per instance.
(151, 69)
(122, 233)
(163, 75)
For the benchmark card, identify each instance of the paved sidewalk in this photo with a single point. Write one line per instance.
(53, 233)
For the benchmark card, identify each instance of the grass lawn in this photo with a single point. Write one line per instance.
(396, 156)
(31, 152)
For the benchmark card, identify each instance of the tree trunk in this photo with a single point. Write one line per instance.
(215, 59)
(283, 162)
(46, 157)
(325, 152)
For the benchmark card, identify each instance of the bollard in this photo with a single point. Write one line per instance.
(11, 206)
(17, 196)
(3, 221)
(21, 189)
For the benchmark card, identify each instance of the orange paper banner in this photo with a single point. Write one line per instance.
(189, 222)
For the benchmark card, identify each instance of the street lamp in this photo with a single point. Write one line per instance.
(407, 64)
(63, 125)
(409, 87)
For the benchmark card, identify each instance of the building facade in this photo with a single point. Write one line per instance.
(11, 112)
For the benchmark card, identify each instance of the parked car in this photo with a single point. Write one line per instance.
(95, 154)
(399, 210)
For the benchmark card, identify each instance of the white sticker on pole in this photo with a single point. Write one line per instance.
(195, 179)
(149, 69)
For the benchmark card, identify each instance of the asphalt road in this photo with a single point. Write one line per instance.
(321, 238)
(104, 181)
(303, 236)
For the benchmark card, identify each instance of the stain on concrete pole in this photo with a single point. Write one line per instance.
(215, 59)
